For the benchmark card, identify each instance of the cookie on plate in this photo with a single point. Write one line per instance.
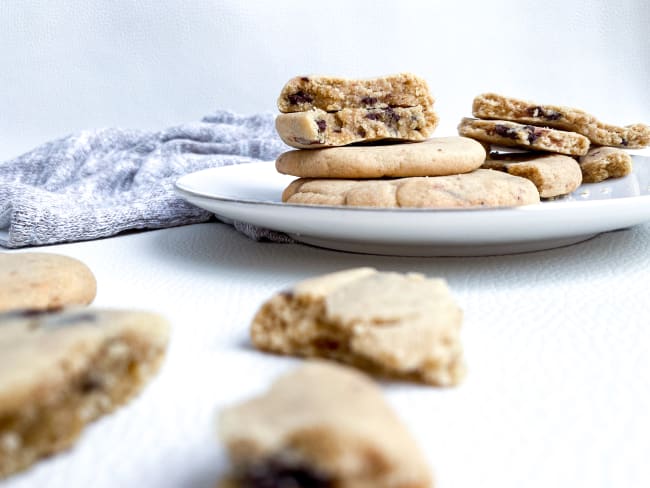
(480, 188)
(320, 426)
(43, 281)
(390, 324)
(601, 163)
(493, 106)
(513, 134)
(437, 156)
(553, 174)
(60, 371)
(326, 111)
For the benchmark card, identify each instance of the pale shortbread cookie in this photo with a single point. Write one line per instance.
(434, 157)
(43, 281)
(320, 426)
(493, 106)
(317, 128)
(513, 134)
(331, 93)
(480, 188)
(552, 174)
(403, 326)
(601, 163)
(60, 371)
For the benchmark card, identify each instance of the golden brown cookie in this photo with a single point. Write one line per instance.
(601, 163)
(402, 326)
(512, 134)
(43, 281)
(434, 157)
(552, 174)
(480, 188)
(60, 371)
(493, 106)
(320, 426)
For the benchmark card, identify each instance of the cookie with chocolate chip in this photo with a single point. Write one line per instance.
(513, 134)
(43, 281)
(62, 370)
(320, 426)
(403, 326)
(493, 106)
(437, 156)
(327, 111)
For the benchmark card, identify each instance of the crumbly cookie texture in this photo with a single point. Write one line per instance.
(513, 134)
(60, 371)
(434, 157)
(601, 163)
(331, 94)
(320, 426)
(480, 188)
(43, 281)
(553, 175)
(317, 128)
(493, 106)
(402, 326)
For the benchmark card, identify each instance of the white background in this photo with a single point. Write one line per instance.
(557, 393)
(68, 65)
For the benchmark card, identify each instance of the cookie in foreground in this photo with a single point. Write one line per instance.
(43, 281)
(438, 156)
(402, 326)
(320, 426)
(60, 371)
(493, 106)
(480, 188)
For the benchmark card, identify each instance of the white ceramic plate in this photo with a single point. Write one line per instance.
(251, 193)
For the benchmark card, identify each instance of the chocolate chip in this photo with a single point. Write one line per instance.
(546, 114)
(361, 132)
(624, 141)
(91, 384)
(391, 116)
(505, 131)
(373, 116)
(533, 133)
(300, 97)
(276, 475)
(369, 100)
(322, 125)
(304, 78)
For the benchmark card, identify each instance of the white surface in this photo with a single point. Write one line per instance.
(556, 344)
(252, 193)
(149, 64)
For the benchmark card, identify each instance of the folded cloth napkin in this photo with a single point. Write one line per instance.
(98, 183)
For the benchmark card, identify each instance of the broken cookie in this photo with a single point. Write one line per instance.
(390, 324)
(493, 106)
(60, 371)
(320, 426)
(326, 111)
(601, 163)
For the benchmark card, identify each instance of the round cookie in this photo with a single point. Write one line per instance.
(480, 188)
(42, 281)
(434, 157)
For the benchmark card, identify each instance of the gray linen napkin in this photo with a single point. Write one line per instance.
(98, 183)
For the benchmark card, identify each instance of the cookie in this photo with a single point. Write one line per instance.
(394, 325)
(317, 128)
(601, 163)
(433, 157)
(493, 106)
(331, 93)
(60, 371)
(552, 174)
(513, 134)
(320, 426)
(480, 188)
(42, 281)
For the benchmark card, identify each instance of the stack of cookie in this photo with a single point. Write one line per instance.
(569, 146)
(366, 143)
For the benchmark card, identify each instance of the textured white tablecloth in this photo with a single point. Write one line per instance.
(557, 393)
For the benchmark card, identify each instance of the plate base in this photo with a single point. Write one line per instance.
(438, 250)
